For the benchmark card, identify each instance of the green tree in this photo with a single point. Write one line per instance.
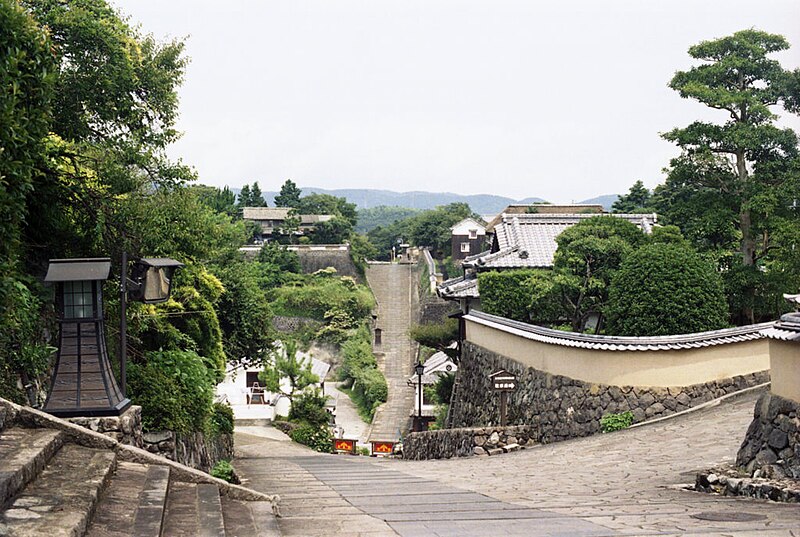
(637, 200)
(327, 204)
(289, 196)
(437, 336)
(285, 373)
(256, 198)
(337, 230)
(432, 228)
(664, 289)
(744, 160)
(382, 215)
(27, 75)
(588, 254)
(244, 314)
(245, 198)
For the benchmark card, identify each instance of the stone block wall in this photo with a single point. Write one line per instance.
(286, 324)
(314, 260)
(559, 407)
(771, 447)
(447, 443)
(125, 428)
(197, 450)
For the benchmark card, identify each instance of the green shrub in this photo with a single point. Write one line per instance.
(223, 470)
(664, 289)
(436, 336)
(318, 438)
(372, 384)
(615, 422)
(309, 407)
(174, 389)
(357, 355)
(221, 418)
(315, 296)
(509, 293)
(363, 451)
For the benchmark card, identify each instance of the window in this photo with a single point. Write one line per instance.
(464, 247)
(251, 378)
(78, 300)
(473, 233)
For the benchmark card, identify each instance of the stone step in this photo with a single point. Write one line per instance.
(209, 511)
(62, 499)
(245, 519)
(193, 510)
(134, 502)
(23, 454)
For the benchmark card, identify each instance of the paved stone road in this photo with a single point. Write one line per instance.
(616, 484)
(393, 285)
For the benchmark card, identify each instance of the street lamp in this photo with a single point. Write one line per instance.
(151, 283)
(419, 370)
(83, 383)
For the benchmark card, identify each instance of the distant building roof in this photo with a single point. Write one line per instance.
(529, 240)
(461, 287)
(463, 227)
(545, 208)
(281, 213)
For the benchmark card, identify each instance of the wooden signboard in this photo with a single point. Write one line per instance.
(343, 445)
(382, 448)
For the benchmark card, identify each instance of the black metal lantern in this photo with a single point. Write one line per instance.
(83, 383)
(419, 370)
(151, 279)
(151, 283)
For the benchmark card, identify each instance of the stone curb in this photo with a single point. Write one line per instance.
(32, 417)
(702, 406)
(726, 482)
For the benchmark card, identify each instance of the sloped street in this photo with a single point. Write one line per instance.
(624, 483)
(393, 285)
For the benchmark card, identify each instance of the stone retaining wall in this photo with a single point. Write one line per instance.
(125, 428)
(447, 443)
(312, 260)
(559, 407)
(771, 447)
(286, 324)
(196, 450)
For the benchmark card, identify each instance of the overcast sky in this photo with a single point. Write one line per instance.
(562, 100)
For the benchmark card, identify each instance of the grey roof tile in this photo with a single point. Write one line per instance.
(653, 343)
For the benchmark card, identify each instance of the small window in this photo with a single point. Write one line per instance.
(473, 233)
(78, 300)
(464, 247)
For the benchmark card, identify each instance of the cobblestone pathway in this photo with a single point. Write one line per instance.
(393, 286)
(606, 485)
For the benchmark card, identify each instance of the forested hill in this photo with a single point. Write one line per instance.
(367, 198)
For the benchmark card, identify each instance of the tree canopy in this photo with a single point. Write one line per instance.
(734, 180)
(664, 289)
(289, 196)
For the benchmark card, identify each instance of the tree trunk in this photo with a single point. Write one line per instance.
(748, 242)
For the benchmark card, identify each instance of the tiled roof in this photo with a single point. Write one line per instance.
(461, 287)
(529, 240)
(787, 329)
(281, 213)
(620, 343)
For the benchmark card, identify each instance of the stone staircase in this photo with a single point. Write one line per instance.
(58, 479)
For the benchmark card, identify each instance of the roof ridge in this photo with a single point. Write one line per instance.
(573, 339)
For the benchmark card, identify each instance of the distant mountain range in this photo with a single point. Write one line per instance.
(484, 204)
